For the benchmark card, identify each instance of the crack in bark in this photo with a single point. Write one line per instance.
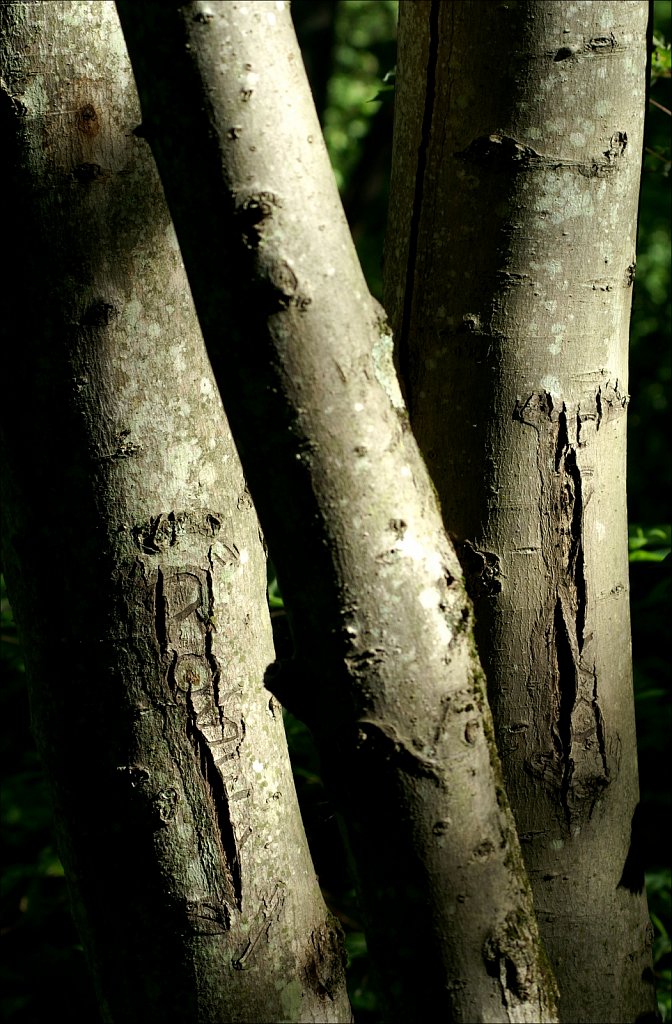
(567, 687)
(577, 763)
(405, 361)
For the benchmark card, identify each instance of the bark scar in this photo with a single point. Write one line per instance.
(577, 761)
(482, 569)
(184, 612)
(270, 910)
(391, 745)
(501, 151)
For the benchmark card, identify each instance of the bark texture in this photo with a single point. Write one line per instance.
(136, 568)
(384, 670)
(509, 278)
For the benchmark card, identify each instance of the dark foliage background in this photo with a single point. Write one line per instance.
(349, 49)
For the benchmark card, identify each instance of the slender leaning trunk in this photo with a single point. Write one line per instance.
(509, 279)
(384, 670)
(136, 569)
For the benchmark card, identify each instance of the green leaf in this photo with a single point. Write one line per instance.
(661, 58)
(274, 595)
(649, 543)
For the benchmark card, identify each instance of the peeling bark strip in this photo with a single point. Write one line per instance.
(575, 760)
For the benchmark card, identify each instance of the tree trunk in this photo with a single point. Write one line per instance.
(509, 270)
(136, 569)
(384, 669)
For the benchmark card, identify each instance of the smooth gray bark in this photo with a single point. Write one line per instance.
(385, 670)
(136, 569)
(509, 267)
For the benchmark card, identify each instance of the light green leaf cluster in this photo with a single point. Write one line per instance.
(661, 58)
(649, 543)
(358, 79)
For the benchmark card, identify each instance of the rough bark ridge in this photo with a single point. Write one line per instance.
(136, 568)
(509, 269)
(385, 670)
